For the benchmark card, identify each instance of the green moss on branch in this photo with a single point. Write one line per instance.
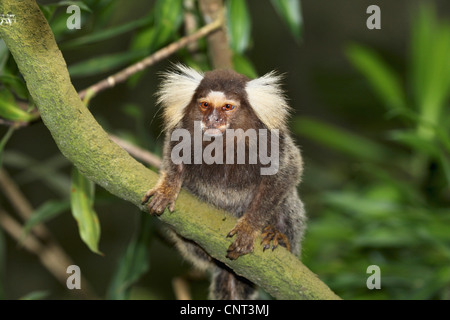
(81, 139)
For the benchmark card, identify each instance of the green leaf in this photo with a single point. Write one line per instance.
(35, 295)
(244, 66)
(47, 171)
(133, 111)
(14, 83)
(422, 31)
(331, 229)
(44, 170)
(385, 237)
(143, 39)
(341, 140)
(239, 24)
(430, 65)
(290, 12)
(67, 3)
(440, 280)
(45, 212)
(404, 189)
(422, 145)
(134, 262)
(384, 81)
(82, 204)
(58, 24)
(104, 63)
(105, 34)
(9, 109)
(414, 141)
(168, 16)
(4, 55)
(164, 21)
(58, 21)
(104, 11)
(48, 11)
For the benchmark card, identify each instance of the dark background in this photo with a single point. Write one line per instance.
(320, 83)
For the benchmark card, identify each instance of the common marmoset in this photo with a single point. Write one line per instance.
(240, 157)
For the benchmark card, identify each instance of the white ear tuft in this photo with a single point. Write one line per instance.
(268, 101)
(176, 91)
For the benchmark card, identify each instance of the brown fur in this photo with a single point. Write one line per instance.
(257, 200)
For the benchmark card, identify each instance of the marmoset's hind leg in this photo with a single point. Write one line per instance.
(192, 252)
(288, 227)
(290, 221)
(226, 285)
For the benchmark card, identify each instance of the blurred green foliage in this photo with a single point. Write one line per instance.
(382, 201)
(134, 262)
(395, 211)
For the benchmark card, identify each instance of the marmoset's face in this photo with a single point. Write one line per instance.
(220, 102)
(217, 112)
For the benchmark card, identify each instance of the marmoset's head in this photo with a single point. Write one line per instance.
(222, 99)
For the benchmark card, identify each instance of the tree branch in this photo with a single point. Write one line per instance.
(51, 254)
(159, 55)
(137, 152)
(52, 259)
(219, 51)
(81, 139)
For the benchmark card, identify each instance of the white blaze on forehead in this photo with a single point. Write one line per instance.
(218, 99)
(215, 98)
(216, 95)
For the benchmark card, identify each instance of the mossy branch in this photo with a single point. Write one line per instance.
(83, 141)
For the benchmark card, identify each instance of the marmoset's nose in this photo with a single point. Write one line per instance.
(213, 119)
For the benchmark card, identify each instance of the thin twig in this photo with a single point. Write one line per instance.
(22, 205)
(219, 51)
(49, 258)
(8, 123)
(159, 55)
(190, 23)
(280, 273)
(52, 255)
(52, 249)
(15, 196)
(181, 289)
(137, 152)
(124, 74)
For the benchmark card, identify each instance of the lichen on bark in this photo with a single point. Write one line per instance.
(83, 141)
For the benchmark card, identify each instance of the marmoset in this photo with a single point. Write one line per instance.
(228, 143)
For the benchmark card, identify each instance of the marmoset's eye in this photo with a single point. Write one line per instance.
(204, 105)
(228, 107)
